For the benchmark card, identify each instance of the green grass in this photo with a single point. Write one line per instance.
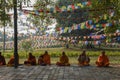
(114, 56)
(55, 52)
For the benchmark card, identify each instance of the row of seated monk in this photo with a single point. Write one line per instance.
(43, 60)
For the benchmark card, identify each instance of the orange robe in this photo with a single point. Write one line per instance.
(102, 61)
(83, 60)
(31, 61)
(2, 60)
(46, 59)
(11, 61)
(40, 61)
(64, 61)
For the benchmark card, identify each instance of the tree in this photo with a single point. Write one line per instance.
(105, 7)
(27, 46)
(4, 17)
(73, 16)
(68, 18)
(12, 4)
(42, 18)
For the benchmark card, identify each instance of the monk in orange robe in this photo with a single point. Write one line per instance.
(40, 61)
(2, 60)
(64, 60)
(11, 61)
(31, 60)
(46, 58)
(83, 59)
(103, 60)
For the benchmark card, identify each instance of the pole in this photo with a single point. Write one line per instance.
(4, 37)
(15, 35)
(4, 26)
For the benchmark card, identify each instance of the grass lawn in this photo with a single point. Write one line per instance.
(114, 55)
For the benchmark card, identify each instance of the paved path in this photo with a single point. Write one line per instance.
(59, 73)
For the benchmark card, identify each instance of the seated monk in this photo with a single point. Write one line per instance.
(11, 61)
(64, 61)
(31, 60)
(2, 60)
(103, 60)
(83, 59)
(46, 58)
(40, 61)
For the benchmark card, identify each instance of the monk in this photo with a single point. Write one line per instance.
(2, 60)
(64, 60)
(46, 58)
(103, 60)
(83, 59)
(40, 61)
(11, 61)
(31, 60)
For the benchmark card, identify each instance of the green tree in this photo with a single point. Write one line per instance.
(103, 7)
(71, 17)
(4, 17)
(68, 18)
(6, 5)
(43, 18)
(110, 29)
(27, 46)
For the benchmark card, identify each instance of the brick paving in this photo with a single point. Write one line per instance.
(54, 72)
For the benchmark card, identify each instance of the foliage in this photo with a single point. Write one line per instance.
(69, 18)
(65, 19)
(44, 18)
(5, 6)
(110, 29)
(27, 45)
(105, 7)
(3, 15)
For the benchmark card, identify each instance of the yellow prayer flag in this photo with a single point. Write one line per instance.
(66, 29)
(64, 7)
(41, 13)
(79, 4)
(105, 16)
(82, 25)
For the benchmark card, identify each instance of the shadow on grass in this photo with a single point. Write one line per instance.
(93, 49)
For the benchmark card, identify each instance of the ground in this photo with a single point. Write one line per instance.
(54, 72)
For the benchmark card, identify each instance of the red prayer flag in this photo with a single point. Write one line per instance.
(103, 25)
(73, 7)
(41, 10)
(88, 3)
(57, 8)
